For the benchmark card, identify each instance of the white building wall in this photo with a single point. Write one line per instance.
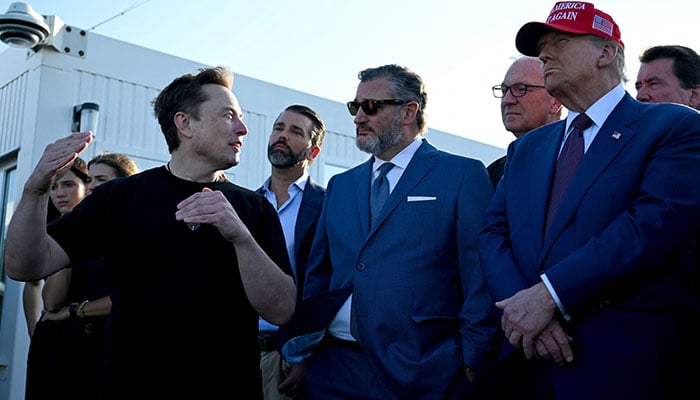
(37, 95)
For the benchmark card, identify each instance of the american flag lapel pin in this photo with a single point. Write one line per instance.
(616, 135)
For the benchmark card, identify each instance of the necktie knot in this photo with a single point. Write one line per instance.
(380, 190)
(384, 169)
(581, 122)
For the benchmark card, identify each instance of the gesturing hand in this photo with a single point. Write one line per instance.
(56, 159)
(212, 207)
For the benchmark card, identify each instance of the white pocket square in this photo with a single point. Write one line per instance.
(420, 198)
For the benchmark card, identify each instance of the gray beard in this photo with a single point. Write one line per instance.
(383, 140)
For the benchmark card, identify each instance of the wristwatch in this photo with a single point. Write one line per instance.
(73, 310)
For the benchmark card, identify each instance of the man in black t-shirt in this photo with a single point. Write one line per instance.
(185, 251)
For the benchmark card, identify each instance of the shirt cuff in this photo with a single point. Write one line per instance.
(553, 293)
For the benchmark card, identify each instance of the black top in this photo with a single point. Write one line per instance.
(181, 323)
(61, 350)
(495, 170)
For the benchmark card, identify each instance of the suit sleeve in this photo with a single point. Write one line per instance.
(478, 314)
(641, 250)
(501, 272)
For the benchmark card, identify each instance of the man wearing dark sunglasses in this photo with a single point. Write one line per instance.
(525, 104)
(395, 296)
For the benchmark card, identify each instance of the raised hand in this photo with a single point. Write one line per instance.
(56, 159)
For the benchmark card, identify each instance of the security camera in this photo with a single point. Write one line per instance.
(21, 26)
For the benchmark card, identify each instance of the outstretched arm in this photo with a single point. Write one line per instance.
(30, 253)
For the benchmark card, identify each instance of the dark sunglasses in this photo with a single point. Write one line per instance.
(371, 107)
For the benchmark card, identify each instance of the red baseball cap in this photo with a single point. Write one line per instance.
(572, 17)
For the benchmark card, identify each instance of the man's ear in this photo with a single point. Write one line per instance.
(608, 55)
(410, 111)
(694, 100)
(182, 123)
(555, 109)
(313, 153)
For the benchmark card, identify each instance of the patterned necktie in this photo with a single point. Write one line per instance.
(567, 163)
(380, 191)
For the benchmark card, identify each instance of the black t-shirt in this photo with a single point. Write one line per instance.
(179, 310)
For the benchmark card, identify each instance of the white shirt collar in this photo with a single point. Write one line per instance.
(402, 159)
(599, 111)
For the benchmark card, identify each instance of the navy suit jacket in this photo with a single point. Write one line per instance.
(422, 309)
(619, 250)
(305, 228)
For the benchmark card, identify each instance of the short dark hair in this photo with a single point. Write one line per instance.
(318, 128)
(186, 94)
(686, 62)
(405, 85)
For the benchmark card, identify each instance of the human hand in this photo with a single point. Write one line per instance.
(553, 343)
(294, 382)
(58, 315)
(56, 158)
(212, 207)
(471, 375)
(525, 315)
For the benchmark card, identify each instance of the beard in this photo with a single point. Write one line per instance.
(285, 159)
(383, 139)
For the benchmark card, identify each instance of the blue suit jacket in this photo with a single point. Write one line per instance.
(618, 254)
(422, 309)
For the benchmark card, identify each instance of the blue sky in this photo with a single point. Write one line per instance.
(460, 48)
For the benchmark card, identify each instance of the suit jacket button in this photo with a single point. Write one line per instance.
(360, 267)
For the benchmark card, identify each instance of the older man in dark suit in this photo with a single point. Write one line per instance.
(587, 245)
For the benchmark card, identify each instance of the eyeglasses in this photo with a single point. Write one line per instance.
(517, 90)
(371, 107)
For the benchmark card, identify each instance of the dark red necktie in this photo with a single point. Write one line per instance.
(567, 163)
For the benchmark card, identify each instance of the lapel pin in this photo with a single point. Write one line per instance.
(192, 226)
(616, 135)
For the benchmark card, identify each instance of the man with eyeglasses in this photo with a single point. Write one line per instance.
(394, 298)
(525, 104)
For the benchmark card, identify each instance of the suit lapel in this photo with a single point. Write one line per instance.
(612, 137)
(363, 174)
(539, 178)
(419, 166)
(309, 209)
